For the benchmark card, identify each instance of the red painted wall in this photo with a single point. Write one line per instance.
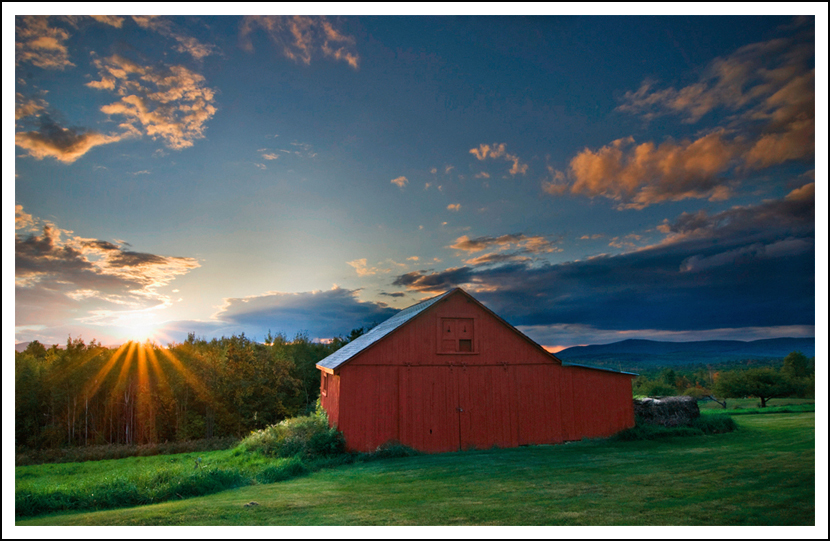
(506, 392)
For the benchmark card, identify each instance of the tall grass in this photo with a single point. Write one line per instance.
(27, 457)
(280, 452)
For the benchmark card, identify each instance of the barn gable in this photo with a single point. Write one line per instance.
(473, 313)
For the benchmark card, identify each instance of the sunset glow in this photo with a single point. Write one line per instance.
(590, 179)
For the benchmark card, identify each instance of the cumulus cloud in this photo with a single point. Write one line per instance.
(300, 38)
(454, 206)
(766, 92)
(165, 27)
(60, 277)
(644, 174)
(39, 44)
(400, 182)
(323, 314)
(745, 267)
(170, 103)
(63, 144)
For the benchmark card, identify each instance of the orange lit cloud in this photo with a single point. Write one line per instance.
(41, 45)
(400, 182)
(454, 207)
(300, 38)
(186, 44)
(63, 144)
(167, 102)
(498, 150)
(110, 20)
(644, 174)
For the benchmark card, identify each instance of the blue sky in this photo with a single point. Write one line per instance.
(590, 179)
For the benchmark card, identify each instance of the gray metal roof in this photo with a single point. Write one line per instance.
(598, 368)
(363, 342)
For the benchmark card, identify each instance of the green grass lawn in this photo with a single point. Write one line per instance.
(763, 474)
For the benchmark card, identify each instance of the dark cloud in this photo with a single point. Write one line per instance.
(63, 144)
(395, 295)
(323, 314)
(745, 267)
(60, 277)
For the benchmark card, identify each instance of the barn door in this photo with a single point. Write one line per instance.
(429, 408)
(485, 408)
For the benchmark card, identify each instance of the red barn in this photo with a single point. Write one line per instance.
(448, 374)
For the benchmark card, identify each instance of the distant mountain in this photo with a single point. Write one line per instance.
(643, 355)
(21, 346)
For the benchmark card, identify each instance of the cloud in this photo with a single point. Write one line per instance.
(454, 206)
(536, 244)
(360, 267)
(482, 174)
(400, 182)
(61, 278)
(165, 27)
(110, 20)
(766, 91)
(301, 38)
(397, 294)
(498, 150)
(768, 87)
(745, 267)
(170, 103)
(323, 314)
(270, 156)
(39, 44)
(645, 174)
(25, 107)
(63, 144)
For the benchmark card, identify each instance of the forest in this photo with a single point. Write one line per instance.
(144, 393)
(87, 394)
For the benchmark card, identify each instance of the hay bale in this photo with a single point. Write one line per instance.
(670, 411)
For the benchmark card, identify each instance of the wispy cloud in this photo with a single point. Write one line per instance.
(454, 207)
(498, 150)
(110, 20)
(170, 103)
(39, 44)
(185, 44)
(767, 92)
(361, 268)
(300, 38)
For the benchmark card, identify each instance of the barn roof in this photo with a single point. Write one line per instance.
(363, 342)
(360, 344)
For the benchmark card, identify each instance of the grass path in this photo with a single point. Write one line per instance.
(762, 474)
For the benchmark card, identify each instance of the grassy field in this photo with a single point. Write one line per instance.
(763, 474)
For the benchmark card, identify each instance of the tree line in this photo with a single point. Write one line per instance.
(795, 377)
(89, 394)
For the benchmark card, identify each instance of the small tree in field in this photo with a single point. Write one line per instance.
(763, 383)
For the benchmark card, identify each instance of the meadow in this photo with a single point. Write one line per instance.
(761, 474)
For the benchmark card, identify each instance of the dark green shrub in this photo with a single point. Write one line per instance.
(307, 436)
(715, 424)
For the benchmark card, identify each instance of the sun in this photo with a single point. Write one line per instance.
(138, 326)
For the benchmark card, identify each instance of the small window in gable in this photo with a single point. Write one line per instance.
(324, 388)
(457, 335)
